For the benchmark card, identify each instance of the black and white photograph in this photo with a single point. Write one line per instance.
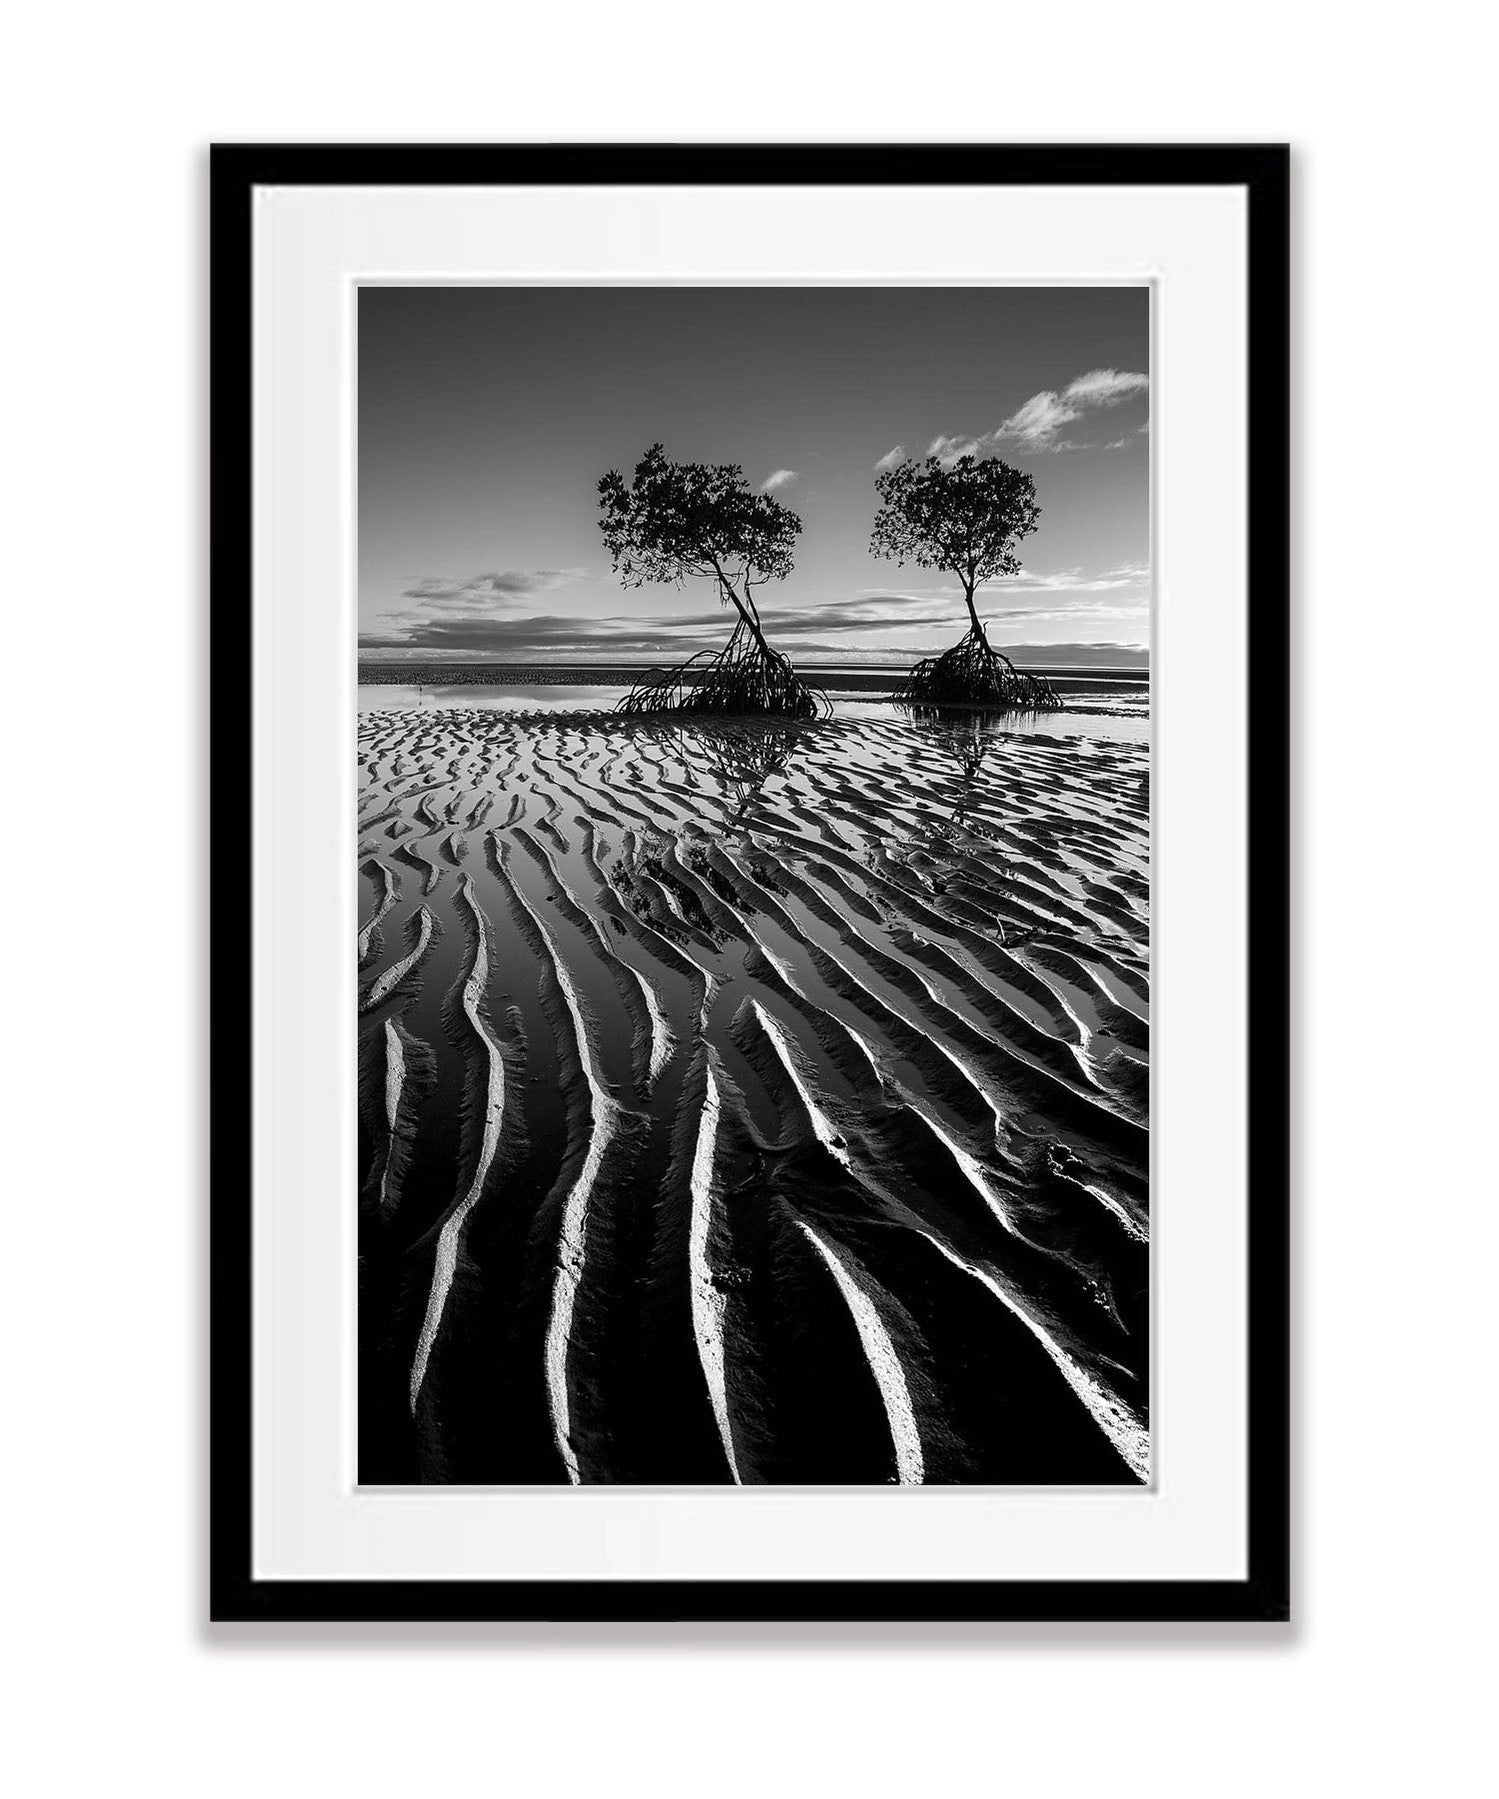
(735, 1062)
(754, 885)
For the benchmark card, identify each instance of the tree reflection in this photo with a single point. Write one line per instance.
(743, 757)
(965, 739)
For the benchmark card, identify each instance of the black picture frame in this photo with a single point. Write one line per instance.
(1262, 171)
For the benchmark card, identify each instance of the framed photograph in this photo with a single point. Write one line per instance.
(749, 883)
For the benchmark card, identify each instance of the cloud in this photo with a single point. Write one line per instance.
(553, 634)
(609, 653)
(1105, 387)
(1127, 575)
(1036, 424)
(489, 590)
(891, 457)
(949, 449)
(434, 598)
(1036, 427)
(873, 620)
(777, 479)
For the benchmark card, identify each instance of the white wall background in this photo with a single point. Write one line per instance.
(117, 1684)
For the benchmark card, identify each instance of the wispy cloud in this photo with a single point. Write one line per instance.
(1036, 427)
(1127, 576)
(891, 457)
(500, 588)
(777, 479)
(1105, 387)
(949, 449)
(546, 634)
(1037, 424)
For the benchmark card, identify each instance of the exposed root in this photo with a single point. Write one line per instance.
(974, 673)
(743, 679)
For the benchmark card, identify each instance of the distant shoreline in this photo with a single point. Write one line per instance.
(562, 674)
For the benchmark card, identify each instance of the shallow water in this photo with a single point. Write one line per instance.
(395, 697)
(759, 1102)
(1094, 709)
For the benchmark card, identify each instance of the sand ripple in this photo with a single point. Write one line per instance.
(751, 1103)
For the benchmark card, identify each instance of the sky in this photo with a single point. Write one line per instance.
(488, 414)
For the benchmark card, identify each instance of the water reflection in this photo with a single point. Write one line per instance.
(1121, 716)
(964, 739)
(743, 756)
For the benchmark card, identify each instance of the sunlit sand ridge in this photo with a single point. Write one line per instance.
(756, 1103)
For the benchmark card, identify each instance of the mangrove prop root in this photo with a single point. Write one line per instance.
(743, 679)
(974, 673)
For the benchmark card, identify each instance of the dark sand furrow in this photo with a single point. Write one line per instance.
(1079, 988)
(951, 1082)
(567, 789)
(942, 1141)
(809, 817)
(692, 802)
(707, 1301)
(653, 1038)
(843, 1044)
(622, 809)
(431, 871)
(1121, 989)
(805, 1108)
(389, 888)
(884, 1362)
(1061, 1047)
(881, 881)
(647, 869)
(1022, 903)
(1119, 1422)
(1033, 1084)
(661, 948)
(912, 821)
(884, 1017)
(949, 1175)
(1034, 1026)
(660, 814)
(850, 895)
(599, 1128)
(548, 798)
(708, 1253)
(944, 1014)
(858, 1138)
(384, 985)
(407, 1075)
(492, 1116)
(788, 1378)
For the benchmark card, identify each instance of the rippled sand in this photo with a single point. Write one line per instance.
(751, 1103)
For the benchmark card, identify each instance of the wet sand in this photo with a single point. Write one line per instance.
(743, 1102)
